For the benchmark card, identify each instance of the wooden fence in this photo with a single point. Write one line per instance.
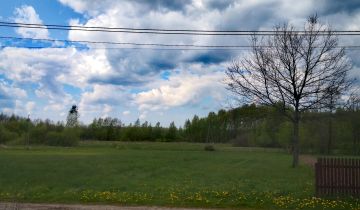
(337, 177)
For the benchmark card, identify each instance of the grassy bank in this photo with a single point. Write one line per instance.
(166, 174)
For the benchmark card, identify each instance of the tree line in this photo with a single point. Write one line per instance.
(321, 132)
(19, 130)
(248, 126)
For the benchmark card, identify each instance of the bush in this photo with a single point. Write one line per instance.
(66, 138)
(242, 140)
(209, 148)
(38, 134)
(6, 135)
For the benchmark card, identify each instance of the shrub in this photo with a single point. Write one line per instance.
(209, 148)
(6, 135)
(66, 138)
(38, 134)
(242, 140)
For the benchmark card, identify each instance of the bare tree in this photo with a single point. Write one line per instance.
(293, 70)
(353, 102)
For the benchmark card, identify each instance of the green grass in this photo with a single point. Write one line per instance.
(167, 174)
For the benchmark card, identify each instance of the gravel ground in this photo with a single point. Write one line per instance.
(309, 160)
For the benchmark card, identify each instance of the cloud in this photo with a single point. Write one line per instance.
(143, 115)
(84, 6)
(48, 70)
(103, 100)
(126, 112)
(104, 94)
(38, 66)
(9, 95)
(138, 67)
(29, 106)
(27, 14)
(334, 6)
(181, 89)
(97, 7)
(33, 65)
(5, 100)
(210, 57)
(219, 5)
(51, 68)
(92, 104)
(113, 80)
(13, 92)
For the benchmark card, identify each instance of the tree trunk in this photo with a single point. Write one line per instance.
(354, 140)
(329, 144)
(295, 143)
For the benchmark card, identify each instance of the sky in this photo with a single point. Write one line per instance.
(150, 84)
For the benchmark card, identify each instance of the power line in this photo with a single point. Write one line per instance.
(173, 46)
(139, 48)
(162, 31)
(124, 28)
(137, 32)
(157, 29)
(126, 43)
(123, 48)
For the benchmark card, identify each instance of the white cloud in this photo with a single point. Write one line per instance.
(12, 91)
(104, 94)
(9, 96)
(78, 6)
(126, 112)
(27, 14)
(102, 100)
(181, 89)
(31, 65)
(92, 7)
(54, 107)
(107, 109)
(50, 67)
(13, 100)
(22, 107)
(107, 77)
(30, 106)
(138, 67)
(143, 115)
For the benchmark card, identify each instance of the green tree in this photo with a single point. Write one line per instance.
(171, 133)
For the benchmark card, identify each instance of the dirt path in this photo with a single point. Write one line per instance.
(309, 160)
(28, 206)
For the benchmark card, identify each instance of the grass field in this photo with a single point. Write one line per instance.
(165, 174)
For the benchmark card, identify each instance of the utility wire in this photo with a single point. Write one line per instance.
(137, 32)
(161, 31)
(173, 46)
(124, 28)
(157, 29)
(126, 43)
(122, 48)
(139, 48)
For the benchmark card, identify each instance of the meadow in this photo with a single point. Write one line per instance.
(161, 174)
